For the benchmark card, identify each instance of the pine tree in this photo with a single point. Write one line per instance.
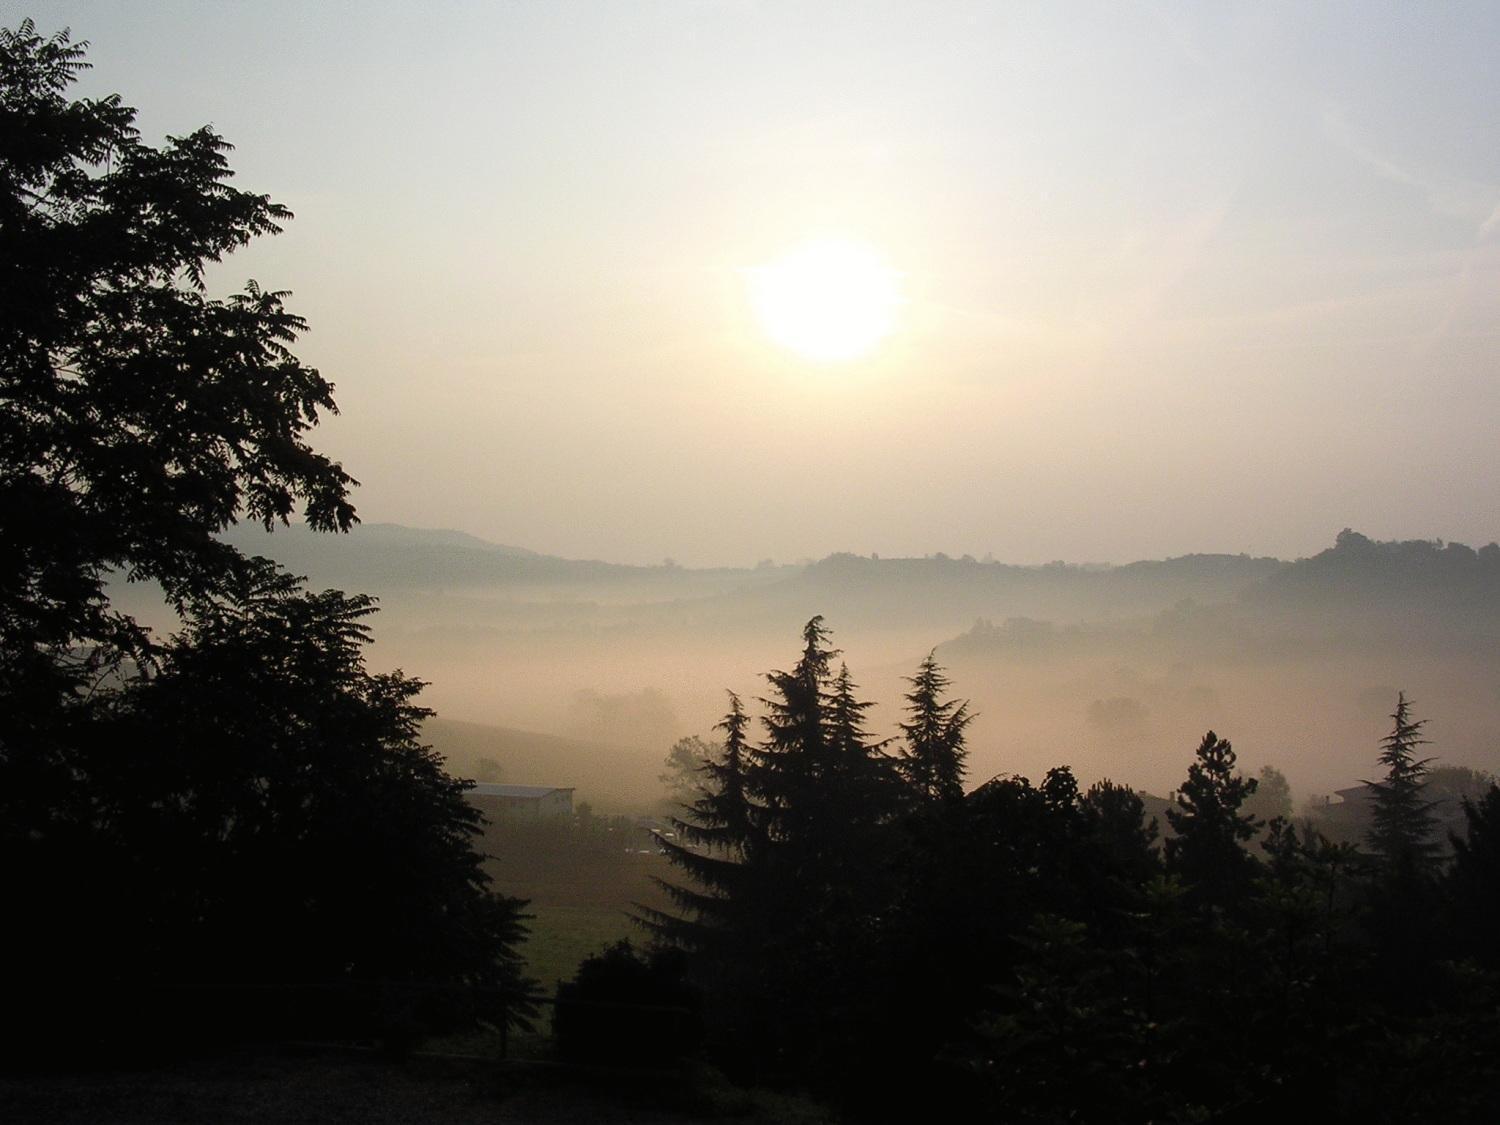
(932, 761)
(784, 854)
(713, 842)
(725, 812)
(865, 787)
(857, 801)
(1403, 912)
(789, 768)
(1403, 829)
(1207, 850)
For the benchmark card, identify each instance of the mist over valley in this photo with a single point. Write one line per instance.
(1113, 669)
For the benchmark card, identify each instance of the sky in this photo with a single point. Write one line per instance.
(1172, 277)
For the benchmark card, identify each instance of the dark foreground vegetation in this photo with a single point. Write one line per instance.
(235, 829)
(861, 926)
(234, 834)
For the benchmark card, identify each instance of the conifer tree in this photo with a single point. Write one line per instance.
(1403, 828)
(713, 843)
(1207, 850)
(858, 800)
(724, 819)
(790, 766)
(932, 761)
(866, 784)
(783, 852)
(1403, 916)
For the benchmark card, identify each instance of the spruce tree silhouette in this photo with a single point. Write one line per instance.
(715, 838)
(932, 760)
(1403, 830)
(784, 854)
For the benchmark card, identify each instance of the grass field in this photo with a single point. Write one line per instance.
(563, 936)
(582, 885)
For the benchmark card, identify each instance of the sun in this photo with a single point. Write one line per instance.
(830, 300)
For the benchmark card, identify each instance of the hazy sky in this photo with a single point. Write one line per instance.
(1177, 277)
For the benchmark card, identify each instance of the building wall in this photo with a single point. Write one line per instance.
(555, 805)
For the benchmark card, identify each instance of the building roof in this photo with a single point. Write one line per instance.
(535, 792)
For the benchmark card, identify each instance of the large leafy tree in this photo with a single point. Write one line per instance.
(139, 414)
(244, 803)
(268, 812)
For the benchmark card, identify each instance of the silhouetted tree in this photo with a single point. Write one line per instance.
(624, 1008)
(932, 760)
(713, 841)
(1119, 856)
(1068, 1045)
(1116, 816)
(137, 416)
(261, 811)
(1402, 826)
(1208, 850)
(864, 787)
(245, 803)
(140, 416)
(726, 807)
(1474, 882)
(787, 881)
(794, 761)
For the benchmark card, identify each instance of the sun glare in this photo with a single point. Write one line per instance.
(828, 300)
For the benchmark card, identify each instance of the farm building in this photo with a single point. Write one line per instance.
(522, 802)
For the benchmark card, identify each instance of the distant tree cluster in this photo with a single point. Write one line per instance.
(860, 924)
(237, 825)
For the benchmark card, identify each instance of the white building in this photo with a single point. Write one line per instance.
(521, 802)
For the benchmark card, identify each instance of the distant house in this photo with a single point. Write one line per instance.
(522, 802)
(1349, 813)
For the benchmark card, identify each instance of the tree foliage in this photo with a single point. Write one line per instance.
(681, 768)
(1403, 829)
(1208, 848)
(1475, 878)
(932, 760)
(138, 414)
(243, 806)
(1026, 952)
(714, 838)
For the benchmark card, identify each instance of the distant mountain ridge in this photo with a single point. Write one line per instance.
(1353, 577)
(389, 554)
(1387, 587)
(1357, 565)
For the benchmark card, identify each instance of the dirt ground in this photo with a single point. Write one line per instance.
(329, 1087)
